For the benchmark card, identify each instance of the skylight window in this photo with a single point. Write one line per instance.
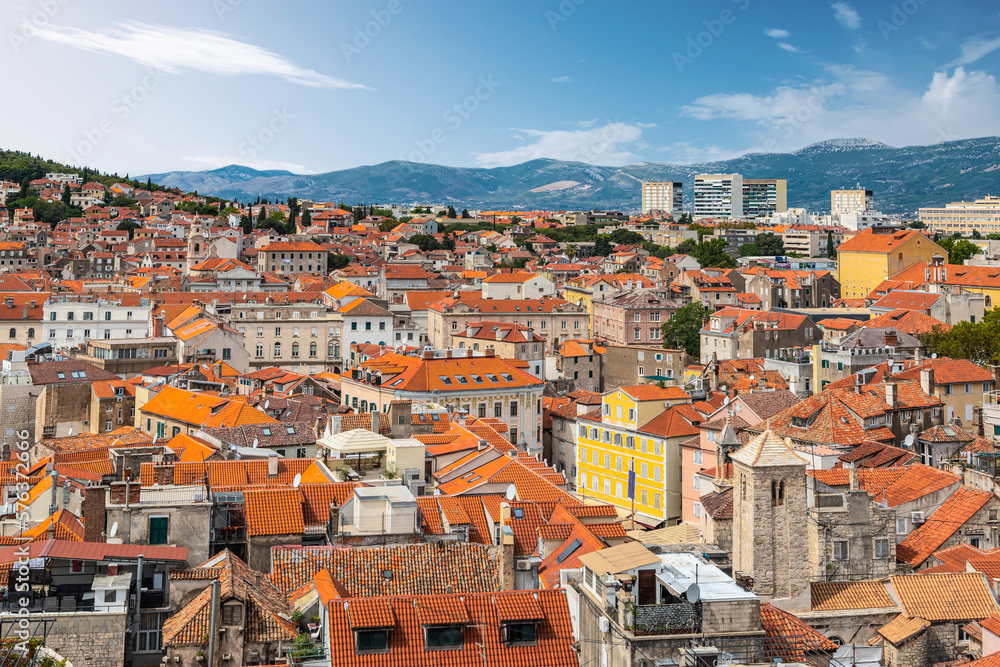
(518, 513)
(61, 376)
(265, 430)
(491, 377)
(461, 379)
(290, 430)
(445, 379)
(477, 379)
(507, 376)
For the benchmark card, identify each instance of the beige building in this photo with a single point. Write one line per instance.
(551, 318)
(508, 341)
(718, 196)
(851, 201)
(662, 196)
(763, 197)
(292, 257)
(982, 215)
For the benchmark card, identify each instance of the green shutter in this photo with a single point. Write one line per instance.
(158, 530)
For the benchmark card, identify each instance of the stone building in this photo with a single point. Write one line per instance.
(770, 542)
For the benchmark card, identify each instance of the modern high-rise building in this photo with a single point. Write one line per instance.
(763, 197)
(718, 196)
(662, 196)
(965, 217)
(851, 201)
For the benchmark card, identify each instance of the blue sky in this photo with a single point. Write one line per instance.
(143, 87)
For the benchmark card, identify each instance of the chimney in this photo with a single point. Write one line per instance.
(891, 339)
(927, 381)
(10, 301)
(918, 354)
(489, 352)
(506, 549)
(852, 477)
(891, 394)
(428, 354)
(482, 444)
(272, 466)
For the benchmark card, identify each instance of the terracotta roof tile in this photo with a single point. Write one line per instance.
(837, 595)
(945, 597)
(942, 524)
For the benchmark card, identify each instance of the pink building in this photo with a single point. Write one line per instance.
(633, 316)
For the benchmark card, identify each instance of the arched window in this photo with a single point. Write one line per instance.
(295, 349)
(13, 332)
(277, 349)
(989, 301)
(312, 349)
(31, 332)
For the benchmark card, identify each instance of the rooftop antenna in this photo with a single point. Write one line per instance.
(114, 530)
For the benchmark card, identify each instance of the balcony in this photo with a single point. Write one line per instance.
(665, 619)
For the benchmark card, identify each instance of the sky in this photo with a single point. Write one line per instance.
(145, 87)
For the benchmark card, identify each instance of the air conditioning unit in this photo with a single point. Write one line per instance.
(118, 400)
(603, 624)
(522, 565)
(917, 518)
(227, 656)
(121, 421)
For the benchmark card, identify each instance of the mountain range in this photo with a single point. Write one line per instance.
(903, 179)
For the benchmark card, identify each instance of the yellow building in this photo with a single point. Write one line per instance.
(639, 427)
(879, 254)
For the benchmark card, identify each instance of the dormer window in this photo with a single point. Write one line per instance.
(371, 641)
(232, 614)
(265, 430)
(443, 637)
(521, 634)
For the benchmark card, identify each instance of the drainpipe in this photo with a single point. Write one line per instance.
(211, 623)
(138, 600)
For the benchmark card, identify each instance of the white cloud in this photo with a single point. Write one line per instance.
(777, 33)
(682, 152)
(560, 79)
(846, 15)
(860, 103)
(605, 145)
(174, 49)
(974, 49)
(788, 47)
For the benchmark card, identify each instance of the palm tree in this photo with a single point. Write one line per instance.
(570, 251)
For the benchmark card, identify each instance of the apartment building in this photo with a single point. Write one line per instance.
(763, 197)
(718, 196)
(480, 383)
(551, 318)
(632, 317)
(292, 257)
(70, 320)
(663, 196)
(851, 201)
(982, 215)
(638, 428)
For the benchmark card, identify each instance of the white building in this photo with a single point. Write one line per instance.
(662, 196)
(70, 320)
(851, 201)
(718, 196)
(518, 286)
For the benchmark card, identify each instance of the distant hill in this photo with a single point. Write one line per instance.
(903, 179)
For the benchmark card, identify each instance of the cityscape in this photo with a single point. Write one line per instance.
(324, 345)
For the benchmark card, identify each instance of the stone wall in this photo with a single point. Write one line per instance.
(942, 641)
(89, 638)
(730, 617)
(911, 653)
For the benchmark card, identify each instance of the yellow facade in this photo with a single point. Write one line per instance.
(606, 449)
(584, 297)
(861, 270)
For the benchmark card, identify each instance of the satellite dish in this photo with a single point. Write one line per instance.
(725, 401)
(69, 432)
(934, 356)
(908, 440)
(693, 593)
(267, 404)
(297, 480)
(256, 443)
(114, 529)
(752, 377)
(511, 492)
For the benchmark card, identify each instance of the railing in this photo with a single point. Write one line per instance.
(299, 653)
(666, 619)
(152, 599)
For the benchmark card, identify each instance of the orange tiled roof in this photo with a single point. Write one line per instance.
(902, 628)
(945, 597)
(942, 524)
(795, 638)
(274, 512)
(837, 595)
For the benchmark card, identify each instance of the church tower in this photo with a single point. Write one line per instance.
(770, 523)
(197, 248)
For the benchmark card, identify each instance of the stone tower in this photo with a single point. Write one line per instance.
(770, 531)
(197, 248)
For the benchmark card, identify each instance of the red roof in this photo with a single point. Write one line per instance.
(93, 551)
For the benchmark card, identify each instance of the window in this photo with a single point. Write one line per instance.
(482, 409)
(697, 482)
(901, 525)
(522, 633)
(158, 529)
(697, 456)
(840, 550)
(513, 413)
(881, 548)
(232, 614)
(498, 409)
(443, 637)
(371, 641)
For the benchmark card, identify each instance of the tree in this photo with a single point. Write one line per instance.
(149, 181)
(465, 214)
(425, 242)
(916, 224)
(712, 254)
(979, 342)
(306, 219)
(128, 225)
(387, 225)
(246, 224)
(336, 261)
(602, 247)
(831, 249)
(687, 247)
(261, 217)
(65, 194)
(451, 212)
(959, 249)
(449, 242)
(683, 330)
(570, 251)
(625, 237)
